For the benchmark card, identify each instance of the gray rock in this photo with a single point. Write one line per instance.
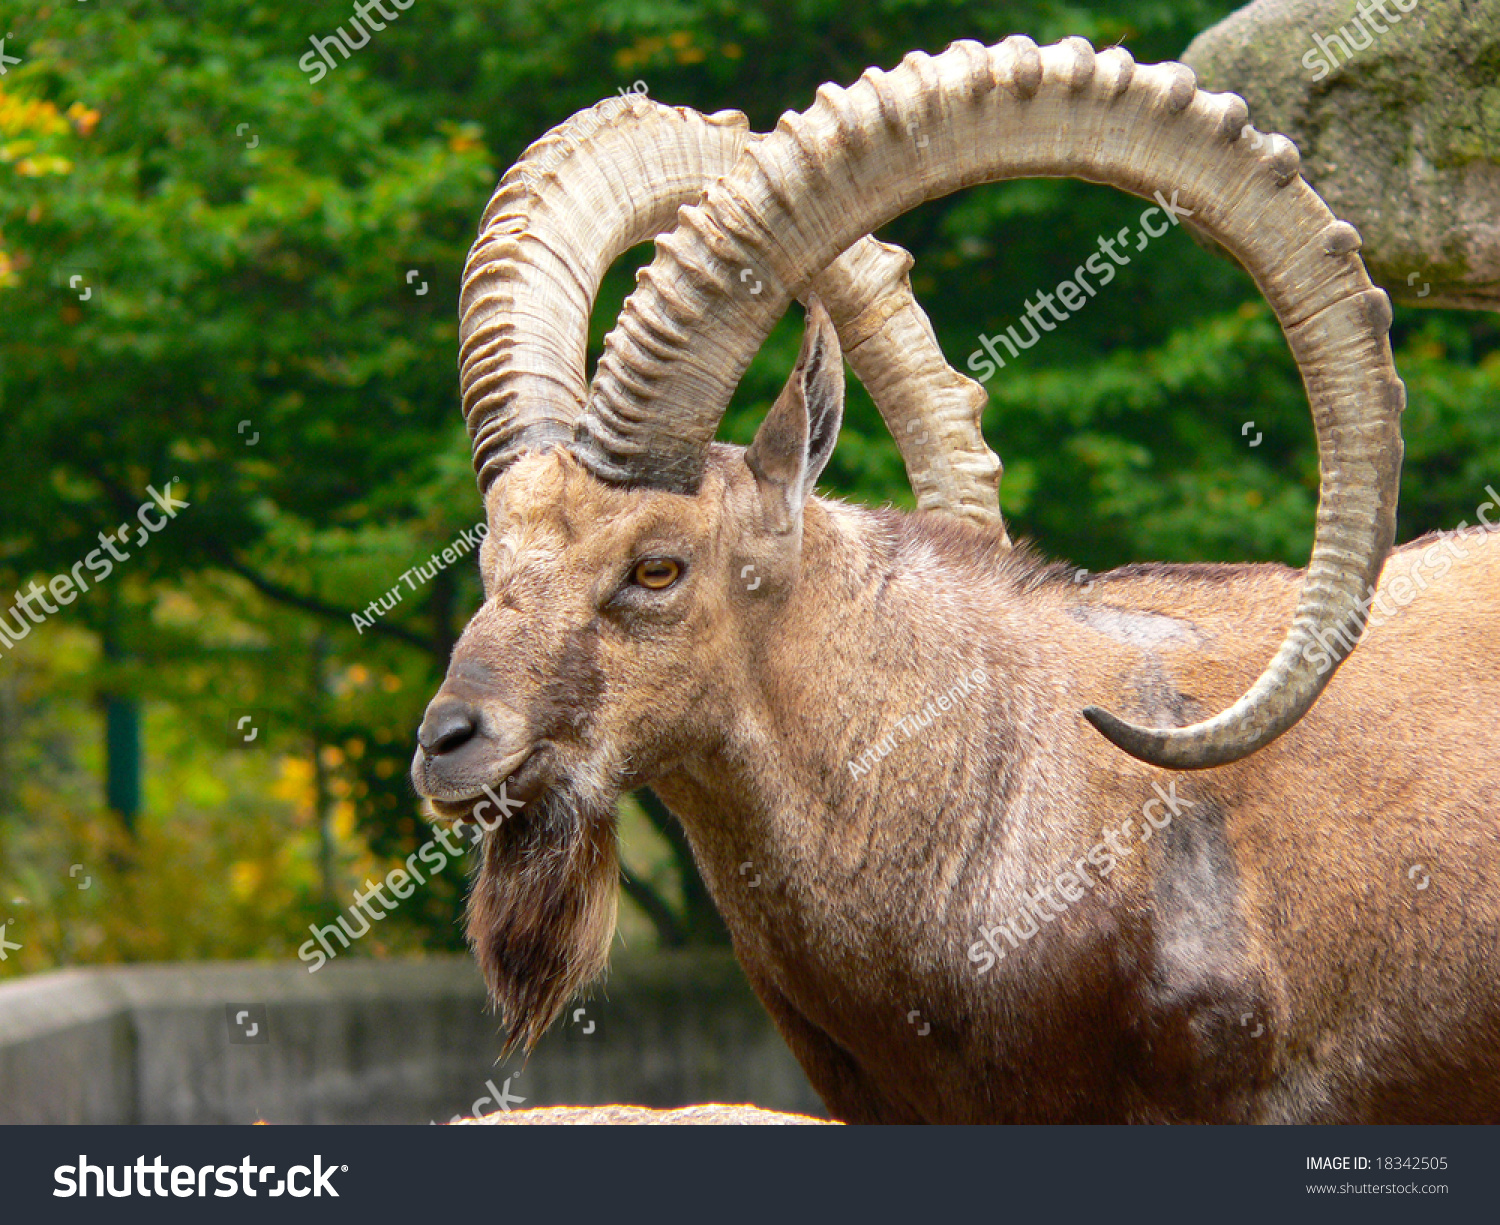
(1399, 130)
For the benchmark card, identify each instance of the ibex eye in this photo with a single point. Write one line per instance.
(656, 573)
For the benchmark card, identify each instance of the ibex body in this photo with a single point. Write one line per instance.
(966, 904)
(1266, 955)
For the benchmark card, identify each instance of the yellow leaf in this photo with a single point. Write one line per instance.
(295, 783)
(245, 878)
(343, 820)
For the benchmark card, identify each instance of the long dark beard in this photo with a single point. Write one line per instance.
(542, 911)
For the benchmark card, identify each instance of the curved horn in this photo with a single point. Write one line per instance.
(931, 409)
(848, 165)
(601, 182)
(561, 215)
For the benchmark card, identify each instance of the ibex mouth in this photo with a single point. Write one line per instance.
(519, 778)
(506, 795)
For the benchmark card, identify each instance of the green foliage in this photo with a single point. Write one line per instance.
(255, 336)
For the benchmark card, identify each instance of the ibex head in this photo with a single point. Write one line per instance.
(634, 569)
(616, 626)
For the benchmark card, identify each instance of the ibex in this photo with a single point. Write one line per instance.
(893, 716)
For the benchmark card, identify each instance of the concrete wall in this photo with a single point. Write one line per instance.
(374, 1042)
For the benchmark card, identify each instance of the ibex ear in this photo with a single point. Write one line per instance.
(797, 437)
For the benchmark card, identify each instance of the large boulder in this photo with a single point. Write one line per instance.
(1395, 105)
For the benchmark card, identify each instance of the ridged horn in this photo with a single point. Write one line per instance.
(613, 176)
(932, 410)
(849, 164)
(559, 218)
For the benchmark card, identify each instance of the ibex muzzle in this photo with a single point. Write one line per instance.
(468, 739)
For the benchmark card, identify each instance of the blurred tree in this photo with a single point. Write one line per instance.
(219, 275)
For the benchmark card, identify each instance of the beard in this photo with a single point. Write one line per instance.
(542, 911)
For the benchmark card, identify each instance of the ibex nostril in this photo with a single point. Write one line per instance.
(448, 725)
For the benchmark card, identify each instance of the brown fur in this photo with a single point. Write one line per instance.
(542, 912)
(1267, 956)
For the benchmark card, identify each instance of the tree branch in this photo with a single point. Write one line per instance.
(656, 908)
(296, 599)
(127, 503)
(703, 923)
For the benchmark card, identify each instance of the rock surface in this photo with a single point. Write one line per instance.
(575, 1116)
(1399, 130)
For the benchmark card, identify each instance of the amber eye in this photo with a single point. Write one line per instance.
(656, 573)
